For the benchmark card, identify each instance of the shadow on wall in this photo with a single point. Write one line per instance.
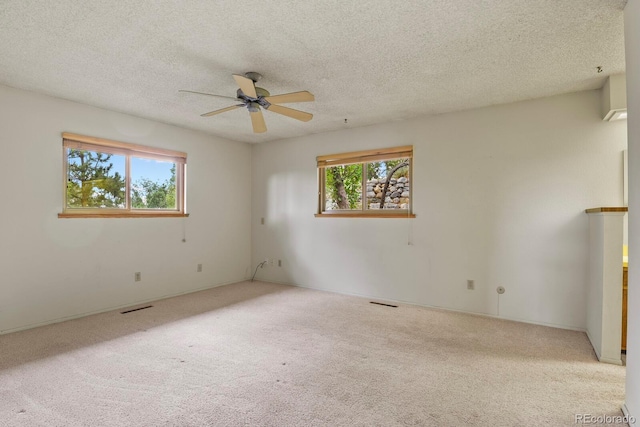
(287, 228)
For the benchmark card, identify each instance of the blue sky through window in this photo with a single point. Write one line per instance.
(154, 170)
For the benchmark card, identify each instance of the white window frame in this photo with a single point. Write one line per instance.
(89, 143)
(363, 157)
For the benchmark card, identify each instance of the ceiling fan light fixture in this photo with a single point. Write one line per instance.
(262, 91)
(253, 107)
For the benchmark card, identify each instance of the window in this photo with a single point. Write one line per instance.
(105, 178)
(372, 183)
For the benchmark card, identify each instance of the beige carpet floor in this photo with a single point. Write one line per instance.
(259, 354)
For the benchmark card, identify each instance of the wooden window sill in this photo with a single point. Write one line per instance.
(605, 209)
(124, 215)
(362, 215)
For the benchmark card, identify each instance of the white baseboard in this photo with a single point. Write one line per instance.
(435, 307)
(595, 349)
(611, 361)
(129, 304)
(599, 356)
(628, 415)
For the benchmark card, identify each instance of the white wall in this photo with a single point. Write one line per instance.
(604, 294)
(632, 49)
(54, 268)
(499, 194)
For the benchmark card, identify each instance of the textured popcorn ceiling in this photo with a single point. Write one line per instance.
(368, 61)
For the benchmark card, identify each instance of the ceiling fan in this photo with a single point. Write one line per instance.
(253, 97)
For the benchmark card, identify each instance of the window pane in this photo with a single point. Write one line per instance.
(153, 184)
(343, 187)
(397, 191)
(95, 180)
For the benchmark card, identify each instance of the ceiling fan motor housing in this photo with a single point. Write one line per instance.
(253, 76)
(254, 102)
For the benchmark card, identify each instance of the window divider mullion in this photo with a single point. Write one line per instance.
(127, 180)
(181, 186)
(410, 174)
(364, 186)
(321, 189)
(178, 187)
(65, 177)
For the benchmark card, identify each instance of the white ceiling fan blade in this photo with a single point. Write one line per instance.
(302, 96)
(208, 94)
(257, 120)
(290, 112)
(247, 85)
(222, 110)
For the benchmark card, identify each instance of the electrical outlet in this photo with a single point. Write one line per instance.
(272, 262)
(199, 269)
(137, 276)
(471, 285)
(279, 263)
